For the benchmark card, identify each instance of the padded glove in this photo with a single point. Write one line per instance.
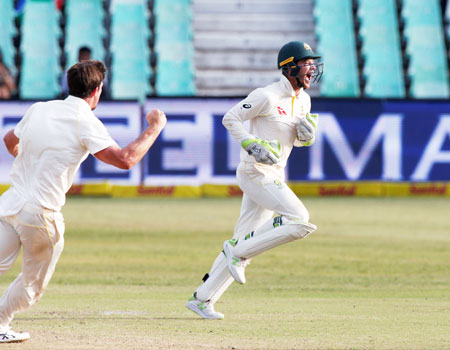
(265, 152)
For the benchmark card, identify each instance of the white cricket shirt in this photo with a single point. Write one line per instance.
(273, 112)
(55, 137)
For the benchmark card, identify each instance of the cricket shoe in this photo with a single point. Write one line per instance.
(204, 309)
(8, 336)
(236, 265)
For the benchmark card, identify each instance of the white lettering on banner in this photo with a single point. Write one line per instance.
(10, 114)
(433, 152)
(192, 150)
(196, 144)
(387, 129)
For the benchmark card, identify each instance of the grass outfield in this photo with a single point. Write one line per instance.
(376, 275)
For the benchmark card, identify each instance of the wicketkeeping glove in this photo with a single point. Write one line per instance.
(306, 128)
(266, 152)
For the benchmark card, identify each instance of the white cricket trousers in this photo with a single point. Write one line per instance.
(265, 193)
(41, 234)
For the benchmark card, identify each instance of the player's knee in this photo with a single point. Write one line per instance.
(303, 215)
(300, 214)
(300, 228)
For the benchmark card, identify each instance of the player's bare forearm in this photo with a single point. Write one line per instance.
(129, 156)
(136, 150)
(12, 143)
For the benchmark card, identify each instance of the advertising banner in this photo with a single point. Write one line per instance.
(357, 140)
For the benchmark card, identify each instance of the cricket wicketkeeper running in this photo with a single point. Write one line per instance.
(280, 118)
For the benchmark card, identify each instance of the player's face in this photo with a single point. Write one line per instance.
(307, 69)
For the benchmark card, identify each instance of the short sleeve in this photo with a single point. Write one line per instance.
(93, 134)
(18, 129)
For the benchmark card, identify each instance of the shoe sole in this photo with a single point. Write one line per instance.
(14, 341)
(226, 250)
(199, 312)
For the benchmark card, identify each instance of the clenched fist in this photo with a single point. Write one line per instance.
(157, 118)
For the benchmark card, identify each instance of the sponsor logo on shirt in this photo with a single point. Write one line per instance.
(247, 105)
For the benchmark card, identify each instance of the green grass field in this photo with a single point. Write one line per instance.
(376, 275)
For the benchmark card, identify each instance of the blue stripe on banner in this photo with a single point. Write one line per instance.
(188, 117)
(115, 121)
(10, 120)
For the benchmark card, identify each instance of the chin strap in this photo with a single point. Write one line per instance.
(299, 84)
(293, 73)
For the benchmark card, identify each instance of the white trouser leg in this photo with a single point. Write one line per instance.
(251, 217)
(219, 278)
(9, 246)
(272, 193)
(41, 235)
